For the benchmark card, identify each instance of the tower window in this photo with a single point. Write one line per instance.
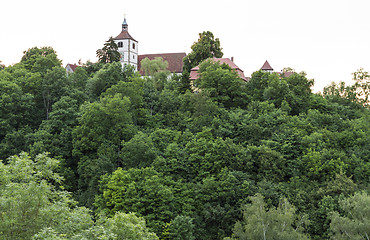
(133, 45)
(120, 44)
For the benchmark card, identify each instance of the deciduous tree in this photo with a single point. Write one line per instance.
(354, 221)
(206, 47)
(274, 223)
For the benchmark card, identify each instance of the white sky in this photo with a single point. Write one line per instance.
(328, 39)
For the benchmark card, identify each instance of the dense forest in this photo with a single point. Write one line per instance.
(104, 153)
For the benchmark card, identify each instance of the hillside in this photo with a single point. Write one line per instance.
(235, 159)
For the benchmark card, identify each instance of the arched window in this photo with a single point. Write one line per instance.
(120, 44)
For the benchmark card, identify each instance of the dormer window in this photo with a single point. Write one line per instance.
(120, 44)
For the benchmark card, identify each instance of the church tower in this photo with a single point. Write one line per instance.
(127, 46)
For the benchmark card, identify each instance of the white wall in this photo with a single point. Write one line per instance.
(129, 53)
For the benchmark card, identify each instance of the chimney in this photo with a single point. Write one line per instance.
(232, 59)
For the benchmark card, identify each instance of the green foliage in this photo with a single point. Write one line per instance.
(206, 47)
(27, 195)
(217, 203)
(131, 87)
(97, 140)
(138, 152)
(143, 191)
(106, 77)
(129, 226)
(79, 78)
(15, 107)
(33, 206)
(293, 92)
(222, 84)
(133, 148)
(151, 67)
(55, 136)
(359, 92)
(40, 60)
(182, 228)
(54, 86)
(273, 223)
(109, 53)
(354, 222)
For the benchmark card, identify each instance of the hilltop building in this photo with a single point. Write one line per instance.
(70, 68)
(127, 46)
(195, 75)
(174, 60)
(267, 68)
(129, 54)
(128, 49)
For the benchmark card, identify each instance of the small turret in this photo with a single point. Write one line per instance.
(267, 67)
(124, 25)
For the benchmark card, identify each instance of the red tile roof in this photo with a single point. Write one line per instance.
(174, 60)
(267, 67)
(124, 35)
(287, 74)
(72, 66)
(195, 75)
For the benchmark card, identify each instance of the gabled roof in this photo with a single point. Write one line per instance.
(124, 35)
(72, 66)
(267, 67)
(195, 75)
(287, 74)
(174, 60)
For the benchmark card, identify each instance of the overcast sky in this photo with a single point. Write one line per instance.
(328, 39)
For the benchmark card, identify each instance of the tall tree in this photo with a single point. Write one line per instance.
(54, 86)
(26, 193)
(359, 92)
(206, 47)
(354, 222)
(97, 140)
(274, 223)
(40, 59)
(33, 206)
(109, 53)
(144, 191)
(222, 84)
(151, 67)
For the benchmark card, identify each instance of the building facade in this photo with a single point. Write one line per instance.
(127, 47)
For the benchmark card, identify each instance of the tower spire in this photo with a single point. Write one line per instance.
(124, 24)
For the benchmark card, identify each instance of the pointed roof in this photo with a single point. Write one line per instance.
(267, 67)
(72, 66)
(124, 34)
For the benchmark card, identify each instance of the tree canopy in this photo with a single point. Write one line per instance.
(206, 47)
(109, 53)
(104, 153)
